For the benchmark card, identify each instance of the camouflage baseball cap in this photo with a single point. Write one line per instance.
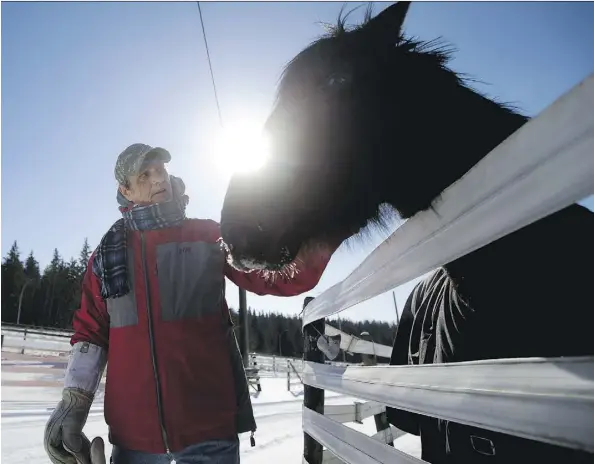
(130, 161)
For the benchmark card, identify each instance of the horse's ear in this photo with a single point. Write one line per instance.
(386, 27)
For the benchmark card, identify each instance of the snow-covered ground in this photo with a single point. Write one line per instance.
(31, 387)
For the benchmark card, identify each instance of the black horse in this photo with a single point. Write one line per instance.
(366, 117)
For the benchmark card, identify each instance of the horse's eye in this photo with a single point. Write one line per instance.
(336, 80)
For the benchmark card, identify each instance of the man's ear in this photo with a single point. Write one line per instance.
(124, 191)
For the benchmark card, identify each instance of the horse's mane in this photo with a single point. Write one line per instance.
(438, 50)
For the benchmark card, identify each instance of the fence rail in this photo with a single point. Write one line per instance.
(32, 329)
(521, 395)
(353, 344)
(353, 412)
(547, 400)
(357, 412)
(292, 371)
(350, 445)
(34, 339)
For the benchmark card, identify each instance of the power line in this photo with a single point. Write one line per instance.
(243, 311)
(214, 86)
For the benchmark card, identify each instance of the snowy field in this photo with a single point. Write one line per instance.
(31, 387)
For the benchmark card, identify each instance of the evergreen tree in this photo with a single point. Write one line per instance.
(13, 280)
(84, 256)
(32, 267)
(29, 313)
(50, 284)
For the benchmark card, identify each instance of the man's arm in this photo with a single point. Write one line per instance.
(64, 440)
(91, 321)
(306, 277)
(91, 337)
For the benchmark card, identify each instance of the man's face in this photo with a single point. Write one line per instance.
(151, 185)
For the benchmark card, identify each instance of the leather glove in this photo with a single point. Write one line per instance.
(64, 441)
(97, 451)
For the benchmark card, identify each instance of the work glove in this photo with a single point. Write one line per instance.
(97, 451)
(64, 441)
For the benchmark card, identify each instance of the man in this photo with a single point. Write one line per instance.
(153, 309)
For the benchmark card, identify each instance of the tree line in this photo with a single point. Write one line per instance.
(50, 298)
(46, 299)
(273, 333)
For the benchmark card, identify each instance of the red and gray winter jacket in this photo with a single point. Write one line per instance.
(174, 371)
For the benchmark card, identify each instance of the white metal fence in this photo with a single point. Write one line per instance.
(548, 400)
(28, 339)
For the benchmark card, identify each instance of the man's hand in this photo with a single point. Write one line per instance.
(64, 441)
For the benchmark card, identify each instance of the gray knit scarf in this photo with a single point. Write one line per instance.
(111, 257)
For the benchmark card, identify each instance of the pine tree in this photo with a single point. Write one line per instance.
(13, 280)
(84, 256)
(32, 267)
(50, 283)
(29, 313)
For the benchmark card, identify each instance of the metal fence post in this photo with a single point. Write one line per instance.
(259, 386)
(382, 424)
(24, 341)
(288, 376)
(243, 328)
(313, 398)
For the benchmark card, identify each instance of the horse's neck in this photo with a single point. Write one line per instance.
(538, 259)
(478, 130)
(484, 126)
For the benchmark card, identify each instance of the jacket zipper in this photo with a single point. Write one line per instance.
(152, 346)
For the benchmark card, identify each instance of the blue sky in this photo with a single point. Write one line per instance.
(81, 81)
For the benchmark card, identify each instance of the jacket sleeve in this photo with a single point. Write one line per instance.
(91, 321)
(306, 277)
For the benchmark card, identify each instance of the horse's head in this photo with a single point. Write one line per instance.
(363, 117)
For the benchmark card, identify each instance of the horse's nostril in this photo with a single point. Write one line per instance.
(236, 238)
(251, 246)
(245, 238)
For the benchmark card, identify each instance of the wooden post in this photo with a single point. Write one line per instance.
(313, 398)
(243, 328)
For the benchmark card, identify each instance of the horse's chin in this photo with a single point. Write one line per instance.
(246, 263)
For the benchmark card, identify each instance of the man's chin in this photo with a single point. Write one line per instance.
(162, 197)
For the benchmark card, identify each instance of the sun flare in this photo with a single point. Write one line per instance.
(240, 148)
